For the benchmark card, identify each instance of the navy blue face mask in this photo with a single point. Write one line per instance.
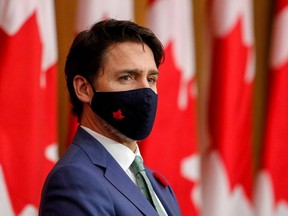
(130, 112)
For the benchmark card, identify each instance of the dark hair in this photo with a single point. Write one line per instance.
(89, 47)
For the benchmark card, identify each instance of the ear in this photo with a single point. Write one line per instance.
(83, 89)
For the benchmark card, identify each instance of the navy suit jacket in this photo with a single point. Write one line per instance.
(87, 180)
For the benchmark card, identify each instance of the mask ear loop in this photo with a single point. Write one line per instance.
(94, 91)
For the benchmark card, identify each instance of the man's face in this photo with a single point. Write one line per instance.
(127, 66)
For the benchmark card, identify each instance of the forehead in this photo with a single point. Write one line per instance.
(128, 51)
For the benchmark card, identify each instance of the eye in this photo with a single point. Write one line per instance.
(152, 80)
(125, 78)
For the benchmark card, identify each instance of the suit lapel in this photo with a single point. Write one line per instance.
(119, 179)
(113, 172)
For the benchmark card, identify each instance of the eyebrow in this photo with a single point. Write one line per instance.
(150, 72)
(154, 72)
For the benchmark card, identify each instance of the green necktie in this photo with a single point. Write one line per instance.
(144, 184)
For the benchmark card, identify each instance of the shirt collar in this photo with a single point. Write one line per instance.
(121, 153)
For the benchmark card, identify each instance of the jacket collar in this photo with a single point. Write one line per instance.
(99, 156)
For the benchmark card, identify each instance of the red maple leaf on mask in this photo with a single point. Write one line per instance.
(118, 115)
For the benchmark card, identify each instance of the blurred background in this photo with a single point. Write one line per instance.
(222, 124)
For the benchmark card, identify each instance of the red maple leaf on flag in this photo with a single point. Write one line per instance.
(175, 135)
(25, 139)
(118, 115)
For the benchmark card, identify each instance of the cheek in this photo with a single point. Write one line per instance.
(104, 85)
(154, 88)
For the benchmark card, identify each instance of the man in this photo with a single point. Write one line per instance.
(111, 73)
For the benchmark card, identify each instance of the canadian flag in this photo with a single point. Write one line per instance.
(172, 146)
(271, 198)
(90, 12)
(28, 138)
(227, 179)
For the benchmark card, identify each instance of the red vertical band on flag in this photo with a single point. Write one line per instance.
(228, 171)
(28, 105)
(173, 138)
(271, 192)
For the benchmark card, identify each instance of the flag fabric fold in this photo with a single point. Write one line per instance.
(28, 140)
(227, 178)
(271, 193)
(174, 133)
